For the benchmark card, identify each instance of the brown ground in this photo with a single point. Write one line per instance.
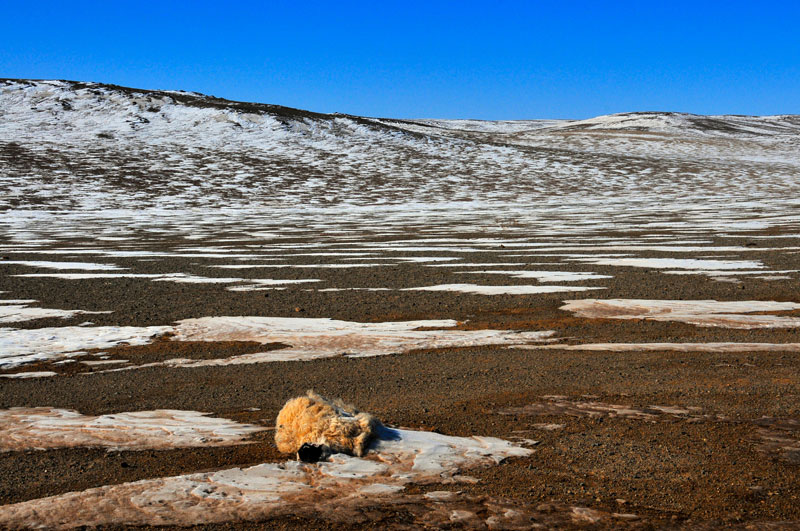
(716, 467)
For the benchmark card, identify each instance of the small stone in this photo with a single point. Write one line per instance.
(584, 514)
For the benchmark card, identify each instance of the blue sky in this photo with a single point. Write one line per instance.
(486, 60)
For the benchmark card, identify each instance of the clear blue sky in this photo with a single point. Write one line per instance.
(488, 60)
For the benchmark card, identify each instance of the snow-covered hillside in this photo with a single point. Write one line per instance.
(651, 122)
(84, 147)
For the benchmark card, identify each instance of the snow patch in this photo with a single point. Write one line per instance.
(675, 263)
(542, 276)
(398, 458)
(44, 428)
(17, 310)
(500, 290)
(18, 347)
(31, 374)
(182, 278)
(680, 347)
(85, 266)
(560, 405)
(734, 314)
(312, 338)
(309, 338)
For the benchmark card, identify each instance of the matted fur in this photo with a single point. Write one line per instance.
(334, 425)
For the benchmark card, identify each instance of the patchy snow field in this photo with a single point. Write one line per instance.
(200, 235)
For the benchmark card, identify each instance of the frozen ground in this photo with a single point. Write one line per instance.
(182, 234)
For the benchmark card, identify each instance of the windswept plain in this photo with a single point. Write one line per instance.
(561, 323)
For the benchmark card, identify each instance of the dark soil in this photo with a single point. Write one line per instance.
(713, 470)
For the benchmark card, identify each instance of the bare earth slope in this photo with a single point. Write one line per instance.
(599, 318)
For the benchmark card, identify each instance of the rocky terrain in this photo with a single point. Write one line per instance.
(562, 323)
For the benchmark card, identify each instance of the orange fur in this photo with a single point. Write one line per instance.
(332, 424)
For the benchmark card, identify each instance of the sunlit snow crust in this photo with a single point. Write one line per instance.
(43, 428)
(400, 457)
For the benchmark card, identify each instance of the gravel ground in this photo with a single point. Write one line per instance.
(712, 468)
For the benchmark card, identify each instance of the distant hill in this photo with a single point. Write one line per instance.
(76, 145)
